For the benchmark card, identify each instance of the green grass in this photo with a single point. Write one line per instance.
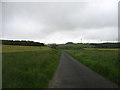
(13, 48)
(104, 62)
(29, 69)
(0, 71)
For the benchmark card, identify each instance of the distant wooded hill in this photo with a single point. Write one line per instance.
(106, 45)
(22, 43)
(71, 45)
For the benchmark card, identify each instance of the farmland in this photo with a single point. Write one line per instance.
(28, 66)
(11, 48)
(103, 61)
(34, 66)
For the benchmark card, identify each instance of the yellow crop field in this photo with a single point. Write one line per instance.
(12, 48)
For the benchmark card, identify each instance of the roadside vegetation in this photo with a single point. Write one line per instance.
(103, 61)
(28, 66)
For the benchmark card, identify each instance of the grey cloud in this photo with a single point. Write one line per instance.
(0, 19)
(41, 20)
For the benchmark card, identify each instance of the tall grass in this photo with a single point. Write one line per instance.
(30, 69)
(104, 62)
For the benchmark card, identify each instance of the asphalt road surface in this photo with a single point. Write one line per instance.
(72, 74)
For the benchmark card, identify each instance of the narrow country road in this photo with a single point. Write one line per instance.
(72, 74)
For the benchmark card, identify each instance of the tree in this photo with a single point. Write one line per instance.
(54, 46)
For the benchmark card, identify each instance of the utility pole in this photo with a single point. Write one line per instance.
(117, 40)
(81, 40)
(107, 41)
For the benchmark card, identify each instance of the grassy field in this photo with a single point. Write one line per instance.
(0, 68)
(102, 61)
(11, 48)
(28, 67)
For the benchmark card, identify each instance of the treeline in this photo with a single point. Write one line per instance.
(106, 45)
(95, 45)
(88, 45)
(74, 46)
(21, 43)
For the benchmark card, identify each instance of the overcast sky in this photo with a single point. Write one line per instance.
(60, 22)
